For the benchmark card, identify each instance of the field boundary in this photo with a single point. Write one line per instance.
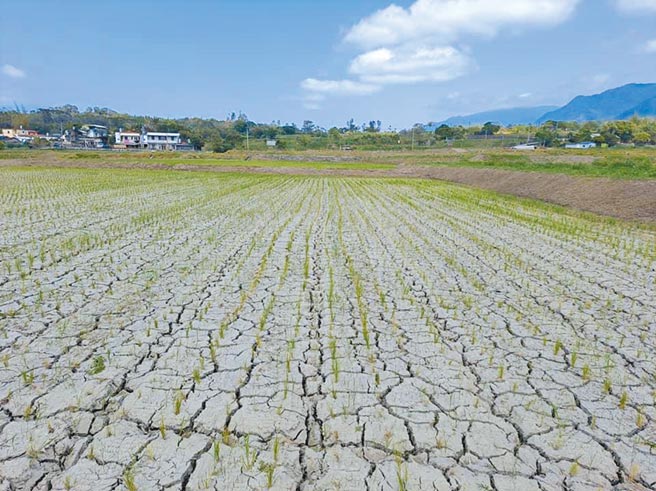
(633, 200)
(624, 199)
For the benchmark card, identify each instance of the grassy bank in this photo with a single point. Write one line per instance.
(616, 163)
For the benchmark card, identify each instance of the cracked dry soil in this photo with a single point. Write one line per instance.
(167, 330)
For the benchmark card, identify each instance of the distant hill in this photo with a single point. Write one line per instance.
(614, 104)
(644, 109)
(505, 117)
(618, 103)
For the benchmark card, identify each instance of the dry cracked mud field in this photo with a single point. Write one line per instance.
(182, 330)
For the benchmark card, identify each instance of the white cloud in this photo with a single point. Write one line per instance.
(650, 46)
(420, 43)
(340, 87)
(525, 95)
(600, 79)
(410, 65)
(317, 90)
(447, 20)
(636, 5)
(12, 71)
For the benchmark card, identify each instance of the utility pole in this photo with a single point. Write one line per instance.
(413, 138)
(247, 143)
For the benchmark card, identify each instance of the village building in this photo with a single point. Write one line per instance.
(150, 140)
(127, 139)
(526, 146)
(581, 145)
(86, 136)
(160, 141)
(20, 134)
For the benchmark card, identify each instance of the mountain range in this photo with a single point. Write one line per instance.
(614, 104)
(504, 117)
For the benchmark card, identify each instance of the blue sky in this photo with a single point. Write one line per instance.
(323, 60)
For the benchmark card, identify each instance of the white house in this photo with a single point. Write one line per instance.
(526, 146)
(160, 141)
(93, 131)
(127, 139)
(147, 139)
(582, 145)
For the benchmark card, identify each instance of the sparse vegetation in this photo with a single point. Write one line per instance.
(253, 329)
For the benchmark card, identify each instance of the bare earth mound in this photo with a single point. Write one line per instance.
(631, 200)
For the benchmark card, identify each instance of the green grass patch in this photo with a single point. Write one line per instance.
(614, 163)
(596, 164)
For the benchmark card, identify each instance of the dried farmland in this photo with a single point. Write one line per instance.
(184, 330)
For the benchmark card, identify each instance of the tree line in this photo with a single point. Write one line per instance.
(203, 133)
(237, 129)
(636, 131)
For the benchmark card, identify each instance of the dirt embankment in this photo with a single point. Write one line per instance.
(623, 199)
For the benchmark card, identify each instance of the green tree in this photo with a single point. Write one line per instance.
(582, 135)
(623, 130)
(219, 145)
(289, 129)
(308, 127)
(548, 136)
(20, 120)
(444, 132)
(334, 135)
(240, 126)
(490, 128)
(271, 132)
(641, 137)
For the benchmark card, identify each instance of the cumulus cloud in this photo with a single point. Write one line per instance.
(316, 90)
(650, 46)
(410, 65)
(636, 5)
(12, 71)
(342, 87)
(448, 20)
(421, 43)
